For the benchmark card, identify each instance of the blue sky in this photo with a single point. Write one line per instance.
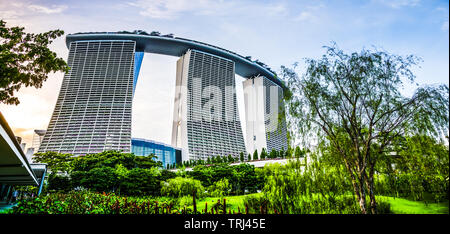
(275, 32)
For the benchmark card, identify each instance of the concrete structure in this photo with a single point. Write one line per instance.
(93, 110)
(206, 126)
(38, 136)
(266, 126)
(165, 154)
(14, 167)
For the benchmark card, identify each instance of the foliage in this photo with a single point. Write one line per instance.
(241, 177)
(109, 171)
(25, 60)
(141, 181)
(179, 187)
(111, 159)
(315, 188)
(255, 155)
(56, 162)
(220, 188)
(84, 202)
(352, 102)
(263, 154)
(58, 182)
(419, 167)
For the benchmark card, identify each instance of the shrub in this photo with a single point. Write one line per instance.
(141, 181)
(58, 183)
(220, 188)
(179, 186)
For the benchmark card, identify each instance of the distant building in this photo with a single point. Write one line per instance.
(29, 154)
(166, 154)
(264, 104)
(201, 131)
(37, 139)
(93, 110)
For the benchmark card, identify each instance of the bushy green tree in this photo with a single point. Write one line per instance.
(273, 153)
(25, 60)
(417, 166)
(58, 183)
(56, 162)
(179, 187)
(353, 102)
(220, 188)
(263, 154)
(141, 181)
(317, 187)
(255, 155)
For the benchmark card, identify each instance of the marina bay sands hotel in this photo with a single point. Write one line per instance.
(93, 110)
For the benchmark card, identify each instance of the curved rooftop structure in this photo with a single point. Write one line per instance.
(176, 46)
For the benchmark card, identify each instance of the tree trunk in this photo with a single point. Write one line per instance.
(373, 203)
(362, 199)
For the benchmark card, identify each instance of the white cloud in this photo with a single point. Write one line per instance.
(169, 9)
(309, 13)
(48, 10)
(172, 9)
(399, 3)
(444, 26)
(304, 16)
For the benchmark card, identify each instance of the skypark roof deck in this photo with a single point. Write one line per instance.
(176, 46)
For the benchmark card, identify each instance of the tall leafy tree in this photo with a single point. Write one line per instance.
(56, 162)
(25, 60)
(353, 103)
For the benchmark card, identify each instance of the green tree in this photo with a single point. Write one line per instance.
(244, 178)
(354, 104)
(273, 153)
(420, 165)
(179, 187)
(25, 60)
(282, 153)
(140, 181)
(263, 154)
(298, 152)
(230, 159)
(220, 188)
(255, 155)
(241, 157)
(56, 162)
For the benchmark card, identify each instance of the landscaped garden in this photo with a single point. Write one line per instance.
(122, 183)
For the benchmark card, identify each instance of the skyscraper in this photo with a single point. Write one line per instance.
(93, 110)
(264, 104)
(38, 136)
(206, 120)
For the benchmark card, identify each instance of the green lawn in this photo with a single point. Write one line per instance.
(398, 205)
(405, 206)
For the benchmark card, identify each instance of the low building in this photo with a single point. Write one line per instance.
(165, 153)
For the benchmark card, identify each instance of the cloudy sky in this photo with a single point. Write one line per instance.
(275, 32)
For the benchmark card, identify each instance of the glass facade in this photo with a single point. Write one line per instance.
(166, 154)
(138, 57)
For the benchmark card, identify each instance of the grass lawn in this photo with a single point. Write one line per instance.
(405, 206)
(398, 205)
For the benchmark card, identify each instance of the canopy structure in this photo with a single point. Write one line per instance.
(14, 166)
